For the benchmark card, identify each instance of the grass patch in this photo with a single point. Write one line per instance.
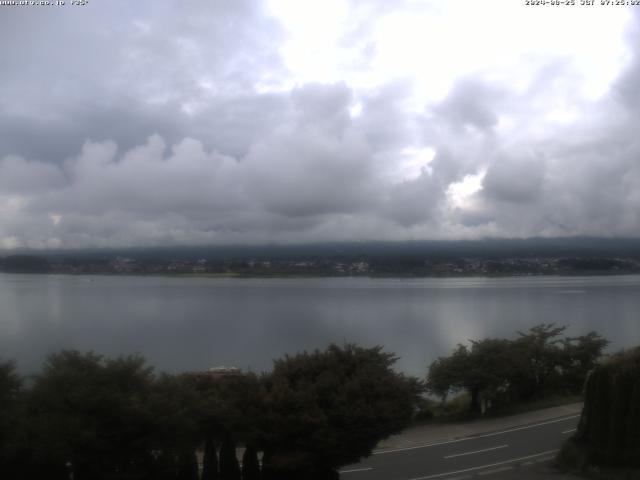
(457, 408)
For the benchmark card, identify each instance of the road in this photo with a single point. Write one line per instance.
(487, 455)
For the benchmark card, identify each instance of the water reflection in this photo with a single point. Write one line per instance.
(194, 323)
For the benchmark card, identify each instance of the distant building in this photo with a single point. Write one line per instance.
(217, 372)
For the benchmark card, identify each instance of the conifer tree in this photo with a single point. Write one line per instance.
(250, 464)
(210, 460)
(229, 467)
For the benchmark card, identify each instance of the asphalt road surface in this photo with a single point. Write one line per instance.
(488, 455)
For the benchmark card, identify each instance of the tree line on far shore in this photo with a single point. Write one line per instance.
(88, 417)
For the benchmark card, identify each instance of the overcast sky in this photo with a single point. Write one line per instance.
(214, 122)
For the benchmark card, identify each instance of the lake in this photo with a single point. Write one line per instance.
(194, 323)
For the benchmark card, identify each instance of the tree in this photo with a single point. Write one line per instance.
(446, 373)
(187, 465)
(330, 408)
(177, 409)
(484, 371)
(10, 418)
(541, 349)
(250, 464)
(229, 467)
(210, 459)
(609, 430)
(581, 357)
(90, 413)
(537, 363)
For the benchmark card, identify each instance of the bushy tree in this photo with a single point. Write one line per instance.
(581, 355)
(90, 414)
(537, 363)
(10, 419)
(483, 370)
(330, 408)
(540, 359)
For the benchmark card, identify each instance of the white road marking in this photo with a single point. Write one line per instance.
(569, 431)
(495, 470)
(513, 460)
(356, 470)
(545, 459)
(382, 452)
(477, 451)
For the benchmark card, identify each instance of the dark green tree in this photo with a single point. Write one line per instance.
(609, 429)
(210, 459)
(10, 420)
(187, 465)
(229, 467)
(250, 464)
(446, 374)
(330, 408)
(89, 414)
(498, 371)
(540, 348)
(581, 355)
(484, 370)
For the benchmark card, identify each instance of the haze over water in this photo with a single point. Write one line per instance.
(195, 323)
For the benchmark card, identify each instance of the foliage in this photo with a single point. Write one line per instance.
(229, 467)
(330, 408)
(114, 419)
(499, 371)
(10, 385)
(210, 460)
(250, 464)
(90, 413)
(609, 429)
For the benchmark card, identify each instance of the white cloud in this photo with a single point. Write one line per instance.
(283, 121)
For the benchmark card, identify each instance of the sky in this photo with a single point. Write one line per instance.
(222, 122)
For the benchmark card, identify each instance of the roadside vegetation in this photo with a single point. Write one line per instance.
(540, 368)
(607, 442)
(88, 417)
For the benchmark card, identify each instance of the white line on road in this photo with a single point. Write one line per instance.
(569, 431)
(513, 460)
(356, 470)
(495, 470)
(477, 451)
(382, 452)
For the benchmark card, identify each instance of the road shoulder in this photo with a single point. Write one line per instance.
(434, 433)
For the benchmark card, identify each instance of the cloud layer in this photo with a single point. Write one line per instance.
(198, 124)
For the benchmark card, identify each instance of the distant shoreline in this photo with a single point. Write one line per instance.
(308, 276)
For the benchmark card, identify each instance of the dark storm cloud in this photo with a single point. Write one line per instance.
(469, 103)
(122, 71)
(516, 180)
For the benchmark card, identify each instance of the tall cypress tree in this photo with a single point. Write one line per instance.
(166, 465)
(188, 465)
(210, 460)
(250, 464)
(229, 467)
(610, 426)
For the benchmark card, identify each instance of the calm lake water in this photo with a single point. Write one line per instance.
(194, 323)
